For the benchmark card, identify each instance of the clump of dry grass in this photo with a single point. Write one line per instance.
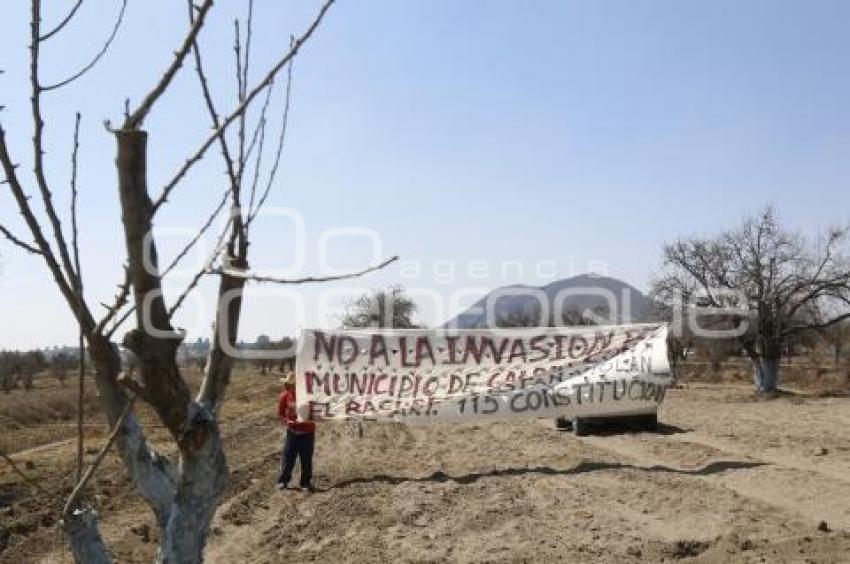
(42, 415)
(811, 372)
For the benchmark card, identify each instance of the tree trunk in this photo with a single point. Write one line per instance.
(153, 475)
(187, 505)
(203, 479)
(153, 341)
(766, 374)
(84, 537)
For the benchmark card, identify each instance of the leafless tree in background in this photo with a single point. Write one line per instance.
(60, 364)
(531, 315)
(382, 309)
(184, 493)
(19, 369)
(787, 285)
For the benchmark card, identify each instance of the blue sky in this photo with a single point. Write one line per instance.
(577, 133)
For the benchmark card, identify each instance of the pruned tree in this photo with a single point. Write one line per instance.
(389, 308)
(18, 369)
(60, 364)
(185, 492)
(787, 285)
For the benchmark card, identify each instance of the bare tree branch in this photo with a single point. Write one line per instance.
(134, 120)
(234, 171)
(124, 292)
(183, 252)
(63, 23)
(81, 389)
(31, 221)
(119, 302)
(193, 283)
(259, 130)
(217, 251)
(219, 363)
(817, 326)
(74, 498)
(239, 238)
(120, 321)
(96, 58)
(259, 160)
(248, 37)
(74, 230)
(241, 108)
(281, 139)
(240, 96)
(199, 68)
(38, 149)
(244, 275)
(242, 66)
(16, 241)
(21, 473)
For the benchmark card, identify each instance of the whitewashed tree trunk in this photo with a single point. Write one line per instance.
(84, 537)
(766, 375)
(184, 497)
(203, 479)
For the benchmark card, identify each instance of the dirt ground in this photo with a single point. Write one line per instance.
(728, 478)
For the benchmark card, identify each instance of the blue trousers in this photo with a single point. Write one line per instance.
(297, 445)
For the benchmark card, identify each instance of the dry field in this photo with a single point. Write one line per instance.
(728, 478)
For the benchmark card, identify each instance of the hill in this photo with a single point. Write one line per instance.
(576, 297)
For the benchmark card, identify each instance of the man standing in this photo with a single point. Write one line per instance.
(300, 439)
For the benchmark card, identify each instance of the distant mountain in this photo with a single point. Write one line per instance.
(575, 297)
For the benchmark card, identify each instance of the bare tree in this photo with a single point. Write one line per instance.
(787, 285)
(521, 317)
(60, 364)
(390, 308)
(182, 493)
(19, 369)
(531, 315)
(10, 367)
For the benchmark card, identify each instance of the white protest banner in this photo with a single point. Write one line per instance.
(429, 375)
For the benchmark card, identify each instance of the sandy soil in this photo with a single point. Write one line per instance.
(728, 479)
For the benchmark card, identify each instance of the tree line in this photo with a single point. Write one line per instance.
(18, 369)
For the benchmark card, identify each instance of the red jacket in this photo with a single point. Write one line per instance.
(286, 413)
